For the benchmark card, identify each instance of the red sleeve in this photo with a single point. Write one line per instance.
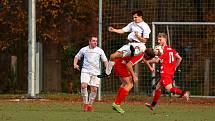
(134, 60)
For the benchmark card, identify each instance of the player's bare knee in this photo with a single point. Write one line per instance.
(94, 89)
(131, 85)
(83, 85)
(168, 87)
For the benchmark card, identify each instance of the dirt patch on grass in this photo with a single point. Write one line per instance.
(130, 100)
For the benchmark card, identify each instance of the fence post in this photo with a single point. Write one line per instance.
(206, 77)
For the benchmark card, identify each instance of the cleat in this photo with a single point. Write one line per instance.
(117, 108)
(85, 107)
(90, 108)
(103, 75)
(150, 106)
(186, 95)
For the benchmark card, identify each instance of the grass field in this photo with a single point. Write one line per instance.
(69, 110)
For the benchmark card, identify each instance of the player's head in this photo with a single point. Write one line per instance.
(149, 53)
(137, 16)
(93, 41)
(162, 39)
(159, 50)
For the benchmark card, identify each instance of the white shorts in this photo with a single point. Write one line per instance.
(138, 47)
(91, 80)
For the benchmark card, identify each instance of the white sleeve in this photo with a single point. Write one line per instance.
(80, 54)
(127, 28)
(103, 56)
(147, 31)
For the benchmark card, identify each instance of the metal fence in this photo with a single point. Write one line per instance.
(193, 41)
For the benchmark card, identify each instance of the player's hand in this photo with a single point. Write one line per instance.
(111, 29)
(151, 69)
(76, 67)
(137, 34)
(135, 78)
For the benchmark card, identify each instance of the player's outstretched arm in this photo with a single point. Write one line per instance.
(153, 60)
(119, 31)
(151, 69)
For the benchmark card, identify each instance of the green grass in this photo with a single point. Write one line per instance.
(67, 111)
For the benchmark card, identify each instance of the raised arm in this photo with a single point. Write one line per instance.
(119, 31)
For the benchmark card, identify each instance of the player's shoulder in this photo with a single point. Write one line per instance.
(84, 48)
(131, 24)
(99, 49)
(143, 23)
(168, 48)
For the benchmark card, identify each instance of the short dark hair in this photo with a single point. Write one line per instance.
(138, 12)
(162, 35)
(92, 35)
(149, 53)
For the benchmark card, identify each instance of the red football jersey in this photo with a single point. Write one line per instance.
(168, 61)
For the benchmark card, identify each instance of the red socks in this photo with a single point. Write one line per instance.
(176, 91)
(158, 93)
(156, 97)
(122, 93)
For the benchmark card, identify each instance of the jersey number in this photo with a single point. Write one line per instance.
(171, 58)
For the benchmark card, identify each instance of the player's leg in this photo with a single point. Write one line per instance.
(120, 70)
(156, 97)
(92, 97)
(123, 91)
(111, 63)
(94, 84)
(85, 78)
(176, 90)
(122, 52)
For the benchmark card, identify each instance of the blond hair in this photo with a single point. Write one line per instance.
(162, 35)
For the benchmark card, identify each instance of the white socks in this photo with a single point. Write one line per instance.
(109, 68)
(84, 94)
(92, 97)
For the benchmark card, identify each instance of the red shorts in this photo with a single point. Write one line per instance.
(166, 80)
(120, 67)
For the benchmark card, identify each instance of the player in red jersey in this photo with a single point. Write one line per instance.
(124, 69)
(170, 60)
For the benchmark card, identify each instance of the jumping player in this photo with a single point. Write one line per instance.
(170, 60)
(139, 34)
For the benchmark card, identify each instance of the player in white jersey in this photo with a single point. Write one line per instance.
(92, 55)
(139, 34)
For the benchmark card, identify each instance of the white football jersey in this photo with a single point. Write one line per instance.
(142, 28)
(91, 59)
